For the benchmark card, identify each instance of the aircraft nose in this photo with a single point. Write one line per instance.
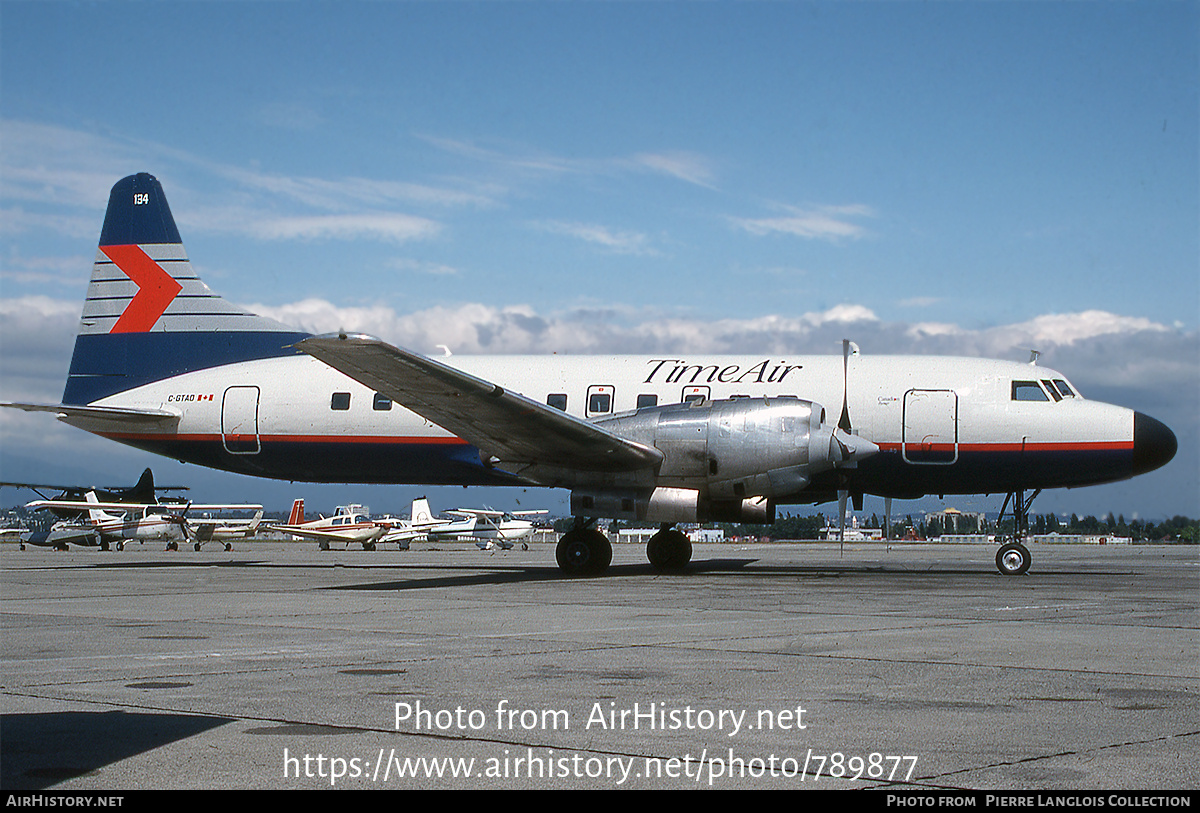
(1153, 443)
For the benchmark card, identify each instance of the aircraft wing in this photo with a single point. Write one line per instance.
(360, 535)
(104, 419)
(166, 508)
(490, 513)
(505, 424)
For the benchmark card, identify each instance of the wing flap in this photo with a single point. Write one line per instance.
(504, 424)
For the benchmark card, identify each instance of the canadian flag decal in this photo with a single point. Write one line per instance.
(156, 289)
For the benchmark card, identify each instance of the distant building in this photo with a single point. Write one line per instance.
(953, 521)
(853, 532)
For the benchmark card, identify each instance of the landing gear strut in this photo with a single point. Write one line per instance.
(669, 549)
(1013, 558)
(583, 550)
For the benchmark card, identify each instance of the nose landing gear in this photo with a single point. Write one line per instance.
(1013, 558)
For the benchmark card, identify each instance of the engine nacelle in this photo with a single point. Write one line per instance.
(736, 449)
(724, 461)
(670, 505)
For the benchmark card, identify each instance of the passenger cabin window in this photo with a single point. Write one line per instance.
(645, 401)
(381, 402)
(694, 395)
(340, 401)
(599, 400)
(1028, 391)
(557, 400)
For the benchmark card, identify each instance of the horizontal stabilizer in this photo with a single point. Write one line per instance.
(106, 419)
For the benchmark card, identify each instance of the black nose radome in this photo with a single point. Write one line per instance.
(1153, 443)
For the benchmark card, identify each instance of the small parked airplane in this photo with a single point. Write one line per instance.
(144, 491)
(101, 524)
(349, 524)
(164, 364)
(491, 529)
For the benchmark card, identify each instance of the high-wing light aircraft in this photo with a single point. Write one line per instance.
(500, 527)
(491, 528)
(164, 364)
(122, 522)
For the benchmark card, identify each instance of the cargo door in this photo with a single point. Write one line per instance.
(239, 420)
(930, 427)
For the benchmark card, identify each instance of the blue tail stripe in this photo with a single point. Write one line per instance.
(115, 362)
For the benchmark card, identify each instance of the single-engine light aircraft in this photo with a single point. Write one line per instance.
(164, 364)
(101, 524)
(491, 529)
(349, 524)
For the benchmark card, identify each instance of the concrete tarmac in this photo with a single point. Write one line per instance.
(277, 666)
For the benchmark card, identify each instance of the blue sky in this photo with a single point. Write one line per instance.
(974, 178)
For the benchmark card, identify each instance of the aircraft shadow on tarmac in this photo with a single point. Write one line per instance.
(41, 750)
(514, 574)
(459, 575)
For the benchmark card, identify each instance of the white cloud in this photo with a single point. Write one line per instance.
(686, 166)
(381, 226)
(623, 242)
(814, 223)
(422, 267)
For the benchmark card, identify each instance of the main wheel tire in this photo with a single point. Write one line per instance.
(669, 550)
(1013, 559)
(583, 552)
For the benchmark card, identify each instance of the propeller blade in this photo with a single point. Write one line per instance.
(842, 495)
(844, 420)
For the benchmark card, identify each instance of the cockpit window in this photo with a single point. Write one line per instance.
(1063, 388)
(1028, 391)
(1050, 388)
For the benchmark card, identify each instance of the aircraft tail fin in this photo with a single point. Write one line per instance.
(421, 515)
(144, 490)
(147, 315)
(297, 515)
(95, 515)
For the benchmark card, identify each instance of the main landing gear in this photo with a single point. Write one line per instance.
(1013, 558)
(669, 549)
(585, 551)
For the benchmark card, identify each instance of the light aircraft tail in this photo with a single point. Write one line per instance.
(95, 515)
(421, 515)
(297, 515)
(147, 315)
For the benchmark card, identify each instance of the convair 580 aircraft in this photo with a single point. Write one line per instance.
(164, 364)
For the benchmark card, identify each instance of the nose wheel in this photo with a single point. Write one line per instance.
(1013, 559)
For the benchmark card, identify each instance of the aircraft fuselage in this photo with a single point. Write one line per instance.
(943, 425)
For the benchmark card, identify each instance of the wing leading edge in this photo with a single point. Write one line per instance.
(507, 426)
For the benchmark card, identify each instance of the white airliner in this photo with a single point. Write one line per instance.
(164, 364)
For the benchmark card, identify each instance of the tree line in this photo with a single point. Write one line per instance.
(1177, 529)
